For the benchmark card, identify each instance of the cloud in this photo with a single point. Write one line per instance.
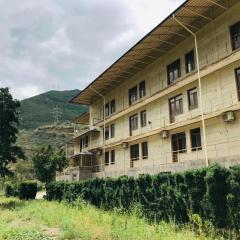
(59, 44)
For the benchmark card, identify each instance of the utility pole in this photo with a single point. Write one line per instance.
(57, 112)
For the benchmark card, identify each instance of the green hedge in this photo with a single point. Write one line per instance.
(213, 193)
(27, 190)
(23, 190)
(10, 189)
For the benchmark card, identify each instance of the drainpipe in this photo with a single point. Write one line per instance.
(200, 87)
(104, 119)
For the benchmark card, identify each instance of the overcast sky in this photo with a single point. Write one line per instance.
(65, 44)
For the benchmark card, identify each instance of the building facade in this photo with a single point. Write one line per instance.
(170, 103)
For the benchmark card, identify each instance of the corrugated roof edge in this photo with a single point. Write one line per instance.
(164, 20)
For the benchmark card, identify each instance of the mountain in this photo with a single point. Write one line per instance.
(42, 109)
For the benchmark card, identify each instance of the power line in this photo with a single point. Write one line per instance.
(57, 113)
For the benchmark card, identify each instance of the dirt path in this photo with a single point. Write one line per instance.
(40, 195)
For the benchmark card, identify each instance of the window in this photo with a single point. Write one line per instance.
(143, 116)
(178, 145)
(81, 145)
(142, 89)
(237, 73)
(106, 158)
(189, 62)
(134, 152)
(144, 150)
(113, 157)
(112, 130)
(173, 71)
(106, 109)
(112, 106)
(235, 35)
(192, 99)
(133, 123)
(175, 107)
(107, 133)
(83, 142)
(196, 139)
(133, 95)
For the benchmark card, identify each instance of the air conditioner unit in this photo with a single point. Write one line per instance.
(164, 134)
(125, 145)
(228, 116)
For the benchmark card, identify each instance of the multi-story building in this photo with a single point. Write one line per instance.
(171, 102)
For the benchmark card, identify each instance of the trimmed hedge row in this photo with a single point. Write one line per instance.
(23, 190)
(213, 193)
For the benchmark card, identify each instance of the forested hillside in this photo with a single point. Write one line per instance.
(41, 109)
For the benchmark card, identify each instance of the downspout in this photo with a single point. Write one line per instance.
(104, 120)
(79, 168)
(200, 87)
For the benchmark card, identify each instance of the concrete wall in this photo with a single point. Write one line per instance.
(218, 93)
(223, 141)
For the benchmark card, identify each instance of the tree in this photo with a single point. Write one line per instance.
(23, 170)
(47, 162)
(9, 121)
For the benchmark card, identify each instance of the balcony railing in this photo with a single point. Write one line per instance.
(225, 153)
(80, 129)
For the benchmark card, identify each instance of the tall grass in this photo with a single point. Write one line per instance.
(34, 219)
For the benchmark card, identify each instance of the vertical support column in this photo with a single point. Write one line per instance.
(80, 162)
(104, 127)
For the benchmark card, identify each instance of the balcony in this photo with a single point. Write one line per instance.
(80, 130)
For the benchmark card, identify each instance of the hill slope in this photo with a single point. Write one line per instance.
(38, 110)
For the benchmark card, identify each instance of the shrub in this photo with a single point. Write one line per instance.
(54, 191)
(11, 190)
(211, 193)
(233, 197)
(27, 190)
(40, 186)
(216, 194)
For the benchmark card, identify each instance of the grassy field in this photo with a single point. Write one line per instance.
(42, 220)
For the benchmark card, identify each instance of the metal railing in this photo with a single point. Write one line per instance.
(80, 129)
(226, 153)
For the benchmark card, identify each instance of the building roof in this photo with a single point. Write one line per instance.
(195, 14)
(82, 119)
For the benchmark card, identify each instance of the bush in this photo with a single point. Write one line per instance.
(40, 186)
(27, 190)
(216, 194)
(23, 190)
(233, 197)
(11, 190)
(54, 191)
(211, 193)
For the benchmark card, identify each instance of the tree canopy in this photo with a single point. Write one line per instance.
(47, 162)
(9, 121)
